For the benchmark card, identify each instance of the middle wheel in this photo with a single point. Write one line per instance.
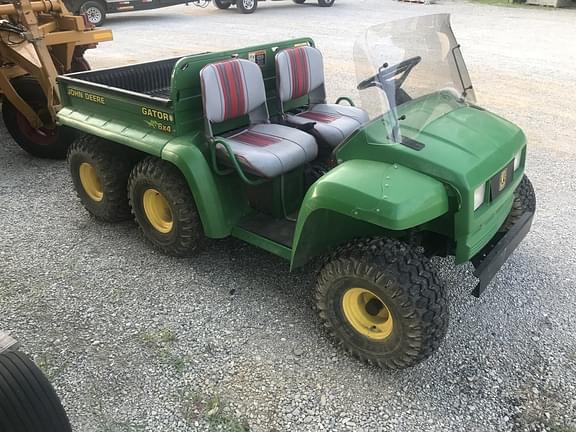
(164, 208)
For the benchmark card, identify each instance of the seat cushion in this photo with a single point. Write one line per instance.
(269, 150)
(334, 123)
(299, 71)
(231, 89)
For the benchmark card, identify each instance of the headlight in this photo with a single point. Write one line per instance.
(479, 196)
(517, 160)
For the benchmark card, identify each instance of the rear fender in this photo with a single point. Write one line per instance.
(218, 205)
(360, 198)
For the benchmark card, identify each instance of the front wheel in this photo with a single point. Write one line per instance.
(382, 301)
(247, 6)
(95, 12)
(524, 201)
(223, 4)
(164, 208)
(325, 3)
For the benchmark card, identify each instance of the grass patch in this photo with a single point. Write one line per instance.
(196, 407)
(160, 341)
(164, 336)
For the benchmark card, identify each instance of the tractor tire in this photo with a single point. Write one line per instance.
(100, 171)
(223, 4)
(43, 142)
(299, 1)
(383, 302)
(524, 201)
(79, 64)
(164, 208)
(28, 403)
(325, 3)
(95, 12)
(247, 6)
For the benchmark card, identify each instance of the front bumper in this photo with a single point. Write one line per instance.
(489, 260)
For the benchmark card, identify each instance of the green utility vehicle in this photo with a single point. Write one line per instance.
(242, 143)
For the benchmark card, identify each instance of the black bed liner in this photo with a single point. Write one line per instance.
(151, 78)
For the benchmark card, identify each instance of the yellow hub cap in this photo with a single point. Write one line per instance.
(367, 313)
(91, 182)
(158, 211)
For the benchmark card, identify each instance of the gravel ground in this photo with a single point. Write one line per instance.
(136, 341)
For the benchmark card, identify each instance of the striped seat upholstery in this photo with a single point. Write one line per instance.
(235, 88)
(300, 72)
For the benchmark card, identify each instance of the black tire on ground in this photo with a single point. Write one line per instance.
(95, 11)
(164, 208)
(100, 171)
(325, 3)
(223, 4)
(51, 143)
(247, 6)
(28, 403)
(524, 201)
(383, 302)
(299, 1)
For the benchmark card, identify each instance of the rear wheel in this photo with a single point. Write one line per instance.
(100, 171)
(325, 3)
(28, 402)
(299, 1)
(383, 302)
(94, 11)
(247, 6)
(44, 142)
(164, 208)
(223, 4)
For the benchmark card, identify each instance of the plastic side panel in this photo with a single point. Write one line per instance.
(140, 138)
(388, 196)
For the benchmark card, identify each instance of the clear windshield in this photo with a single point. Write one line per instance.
(411, 72)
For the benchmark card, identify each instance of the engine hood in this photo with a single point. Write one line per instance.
(463, 147)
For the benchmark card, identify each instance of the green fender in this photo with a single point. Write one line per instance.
(361, 197)
(218, 206)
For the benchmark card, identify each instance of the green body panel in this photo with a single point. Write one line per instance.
(464, 147)
(262, 242)
(384, 195)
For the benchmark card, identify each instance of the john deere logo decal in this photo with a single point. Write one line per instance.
(503, 180)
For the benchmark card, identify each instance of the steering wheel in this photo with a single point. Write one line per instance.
(398, 72)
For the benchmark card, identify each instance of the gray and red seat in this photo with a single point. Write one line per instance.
(235, 88)
(300, 72)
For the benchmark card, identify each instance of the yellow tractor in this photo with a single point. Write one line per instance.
(38, 41)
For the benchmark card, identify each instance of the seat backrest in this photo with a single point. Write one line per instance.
(232, 89)
(300, 72)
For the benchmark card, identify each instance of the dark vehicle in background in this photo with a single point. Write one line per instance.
(96, 10)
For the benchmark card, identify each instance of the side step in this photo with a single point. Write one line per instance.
(274, 235)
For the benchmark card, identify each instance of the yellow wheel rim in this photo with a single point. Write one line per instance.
(367, 313)
(91, 182)
(158, 211)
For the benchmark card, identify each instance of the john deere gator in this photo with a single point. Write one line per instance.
(243, 143)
